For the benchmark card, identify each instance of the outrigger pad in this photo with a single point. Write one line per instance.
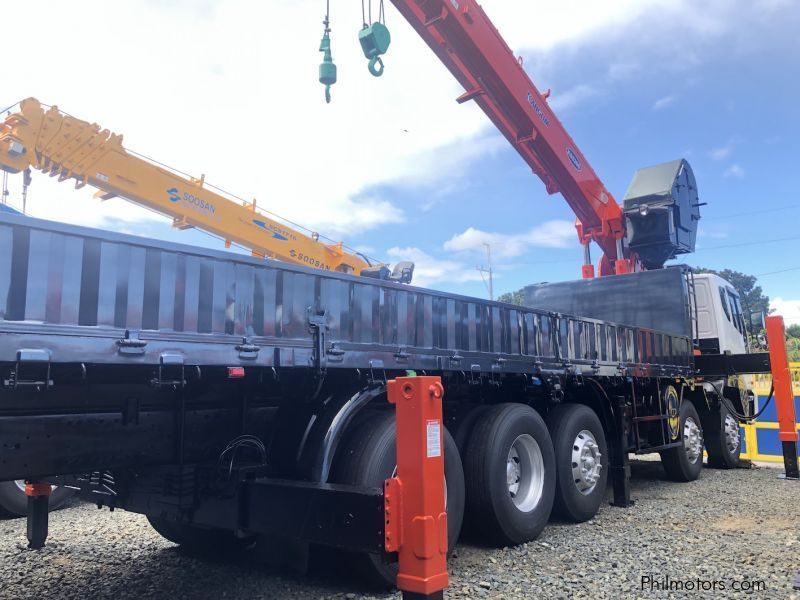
(662, 209)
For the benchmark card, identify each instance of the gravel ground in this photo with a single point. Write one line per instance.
(730, 526)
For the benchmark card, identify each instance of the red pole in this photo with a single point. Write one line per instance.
(784, 397)
(416, 521)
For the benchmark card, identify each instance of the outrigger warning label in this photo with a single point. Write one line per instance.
(434, 430)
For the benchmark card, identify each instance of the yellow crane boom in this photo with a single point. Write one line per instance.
(68, 148)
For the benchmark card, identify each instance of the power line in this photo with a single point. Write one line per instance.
(547, 262)
(757, 212)
(756, 243)
(776, 272)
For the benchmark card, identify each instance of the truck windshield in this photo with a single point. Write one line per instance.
(724, 299)
(736, 309)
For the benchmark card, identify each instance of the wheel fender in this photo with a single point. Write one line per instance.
(327, 430)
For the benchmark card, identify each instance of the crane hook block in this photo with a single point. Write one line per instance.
(327, 70)
(375, 40)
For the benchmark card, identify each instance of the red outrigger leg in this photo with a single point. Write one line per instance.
(784, 397)
(414, 501)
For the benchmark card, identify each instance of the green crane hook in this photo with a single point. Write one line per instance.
(327, 70)
(375, 40)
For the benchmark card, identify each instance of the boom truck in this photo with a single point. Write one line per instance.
(236, 401)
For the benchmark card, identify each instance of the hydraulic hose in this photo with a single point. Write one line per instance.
(743, 418)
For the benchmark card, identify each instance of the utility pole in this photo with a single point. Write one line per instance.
(4, 198)
(488, 270)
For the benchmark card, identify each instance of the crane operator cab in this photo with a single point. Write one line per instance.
(662, 210)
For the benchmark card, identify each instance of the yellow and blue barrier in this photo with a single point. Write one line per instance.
(760, 438)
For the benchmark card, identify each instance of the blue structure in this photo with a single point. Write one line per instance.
(5, 208)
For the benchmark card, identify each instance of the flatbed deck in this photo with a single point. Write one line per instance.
(78, 295)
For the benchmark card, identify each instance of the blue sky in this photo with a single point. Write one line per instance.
(726, 102)
(726, 99)
(397, 168)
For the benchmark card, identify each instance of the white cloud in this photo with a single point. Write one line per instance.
(551, 234)
(544, 24)
(573, 97)
(212, 91)
(429, 270)
(229, 89)
(442, 166)
(664, 102)
(789, 309)
(361, 213)
(721, 153)
(364, 249)
(735, 170)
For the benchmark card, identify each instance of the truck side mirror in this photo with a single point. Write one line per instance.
(757, 321)
(761, 339)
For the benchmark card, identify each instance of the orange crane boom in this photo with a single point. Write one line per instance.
(660, 212)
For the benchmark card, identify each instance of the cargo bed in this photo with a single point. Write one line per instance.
(77, 295)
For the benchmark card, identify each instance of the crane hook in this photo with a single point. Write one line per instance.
(376, 66)
(327, 70)
(375, 40)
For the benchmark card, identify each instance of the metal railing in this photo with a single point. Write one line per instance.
(760, 437)
(763, 381)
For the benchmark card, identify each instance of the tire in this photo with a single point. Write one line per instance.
(198, 540)
(581, 461)
(684, 463)
(510, 436)
(14, 502)
(368, 458)
(722, 438)
(465, 425)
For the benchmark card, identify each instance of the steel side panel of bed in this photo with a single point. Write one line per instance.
(75, 293)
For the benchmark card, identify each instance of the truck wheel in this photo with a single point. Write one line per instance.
(685, 462)
(369, 457)
(581, 461)
(465, 425)
(722, 438)
(14, 502)
(510, 473)
(198, 540)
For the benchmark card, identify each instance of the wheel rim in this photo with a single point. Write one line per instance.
(525, 473)
(692, 439)
(586, 465)
(731, 434)
(20, 483)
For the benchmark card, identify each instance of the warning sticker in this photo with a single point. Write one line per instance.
(434, 438)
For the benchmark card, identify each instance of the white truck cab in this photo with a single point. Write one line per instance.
(720, 329)
(720, 320)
